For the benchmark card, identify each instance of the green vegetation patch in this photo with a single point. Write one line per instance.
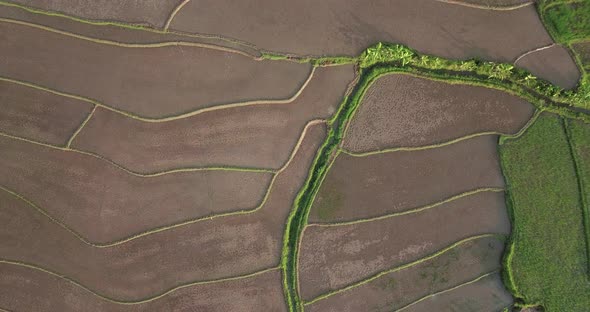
(568, 21)
(579, 137)
(547, 262)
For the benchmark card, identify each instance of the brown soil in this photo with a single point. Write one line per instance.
(334, 257)
(152, 12)
(395, 290)
(261, 136)
(362, 187)
(401, 110)
(211, 249)
(487, 294)
(336, 27)
(554, 64)
(178, 79)
(39, 115)
(104, 203)
(115, 33)
(23, 289)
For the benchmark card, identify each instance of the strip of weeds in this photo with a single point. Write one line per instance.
(546, 261)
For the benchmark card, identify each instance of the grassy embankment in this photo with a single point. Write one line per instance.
(383, 59)
(546, 263)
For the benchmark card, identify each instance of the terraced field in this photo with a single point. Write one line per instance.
(262, 156)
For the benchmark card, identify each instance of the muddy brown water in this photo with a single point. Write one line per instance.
(260, 136)
(370, 186)
(23, 289)
(104, 203)
(39, 115)
(116, 33)
(177, 80)
(334, 257)
(347, 28)
(152, 12)
(487, 294)
(397, 289)
(555, 64)
(211, 249)
(405, 111)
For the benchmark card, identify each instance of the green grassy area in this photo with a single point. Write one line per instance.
(579, 137)
(567, 22)
(547, 262)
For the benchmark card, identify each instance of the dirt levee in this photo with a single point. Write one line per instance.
(370, 186)
(152, 12)
(260, 136)
(39, 115)
(178, 79)
(553, 64)
(24, 289)
(336, 27)
(401, 110)
(135, 270)
(394, 290)
(332, 257)
(104, 203)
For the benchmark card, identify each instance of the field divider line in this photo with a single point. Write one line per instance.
(487, 7)
(135, 173)
(405, 266)
(450, 289)
(580, 181)
(549, 46)
(131, 45)
(412, 210)
(443, 144)
(288, 100)
(84, 122)
(173, 13)
(135, 302)
(137, 27)
(175, 225)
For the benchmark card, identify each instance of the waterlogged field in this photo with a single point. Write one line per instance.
(191, 156)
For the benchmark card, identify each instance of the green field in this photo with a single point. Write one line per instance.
(547, 261)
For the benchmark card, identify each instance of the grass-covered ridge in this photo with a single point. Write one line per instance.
(383, 59)
(547, 262)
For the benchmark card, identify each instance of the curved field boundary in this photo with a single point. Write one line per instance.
(487, 7)
(457, 140)
(134, 173)
(130, 45)
(145, 300)
(125, 25)
(404, 266)
(84, 122)
(175, 225)
(533, 51)
(173, 13)
(413, 210)
(170, 118)
(448, 290)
